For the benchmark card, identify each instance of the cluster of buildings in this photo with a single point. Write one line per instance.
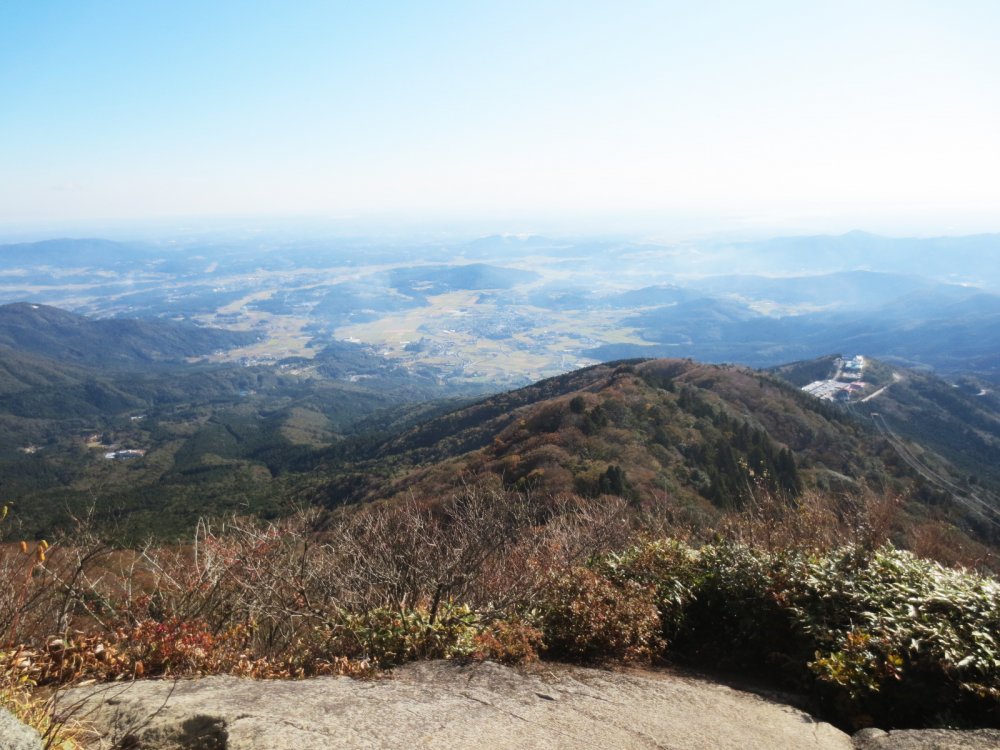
(851, 369)
(844, 385)
(121, 455)
(834, 390)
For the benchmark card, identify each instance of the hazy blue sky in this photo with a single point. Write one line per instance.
(516, 114)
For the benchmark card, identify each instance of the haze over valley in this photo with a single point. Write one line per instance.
(505, 311)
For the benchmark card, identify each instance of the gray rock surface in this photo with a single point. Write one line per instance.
(928, 739)
(16, 736)
(481, 706)
(443, 705)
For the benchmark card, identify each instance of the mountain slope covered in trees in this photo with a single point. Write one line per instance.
(685, 440)
(110, 342)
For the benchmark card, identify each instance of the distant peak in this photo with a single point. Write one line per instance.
(34, 308)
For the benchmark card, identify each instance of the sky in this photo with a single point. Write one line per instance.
(513, 116)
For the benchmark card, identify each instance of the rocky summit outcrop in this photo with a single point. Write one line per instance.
(445, 705)
(442, 705)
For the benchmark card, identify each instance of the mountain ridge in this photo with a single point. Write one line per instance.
(698, 440)
(108, 342)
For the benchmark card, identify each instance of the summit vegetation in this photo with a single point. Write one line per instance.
(803, 595)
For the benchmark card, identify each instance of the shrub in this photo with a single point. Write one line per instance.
(666, 567)
(899, 638)
(388, 637)
(735, 619)
(877, 636)
(514, 640)
(586, 616)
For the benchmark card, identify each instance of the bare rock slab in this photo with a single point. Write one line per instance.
(17, 736)
(444, 705)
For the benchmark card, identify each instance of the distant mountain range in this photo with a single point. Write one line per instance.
(112, 342)
(950, 328)
(74, 253)
(525, 307)
(969, 259)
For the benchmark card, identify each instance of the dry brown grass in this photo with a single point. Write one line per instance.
(814, 520)
(272, 598)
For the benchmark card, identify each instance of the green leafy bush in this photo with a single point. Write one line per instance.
(898, 636)
(877, 637)
(388, 637)
(735, 619)
(667, 567)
